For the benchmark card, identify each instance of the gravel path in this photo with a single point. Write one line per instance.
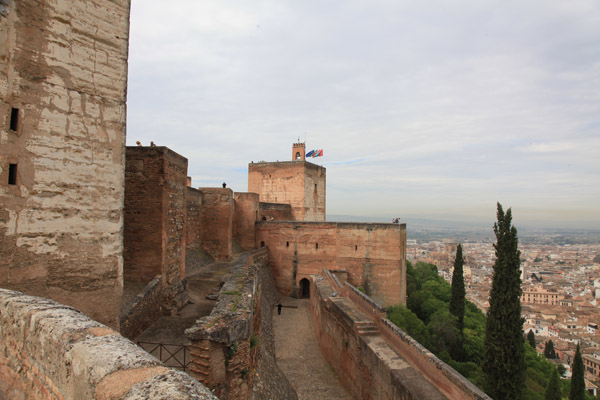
(298, 354)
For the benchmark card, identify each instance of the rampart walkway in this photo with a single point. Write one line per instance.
(298, 354)
(170, 329)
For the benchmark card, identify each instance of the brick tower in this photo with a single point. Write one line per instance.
(299, 183)
(63, 79)
(298, 151)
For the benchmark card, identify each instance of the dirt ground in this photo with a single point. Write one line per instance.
(298, 354)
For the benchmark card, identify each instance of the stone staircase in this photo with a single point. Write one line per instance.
(366, 328)
(363, 324)
(200, 365)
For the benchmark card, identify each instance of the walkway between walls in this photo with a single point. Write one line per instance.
(203, 280)
(298, 354)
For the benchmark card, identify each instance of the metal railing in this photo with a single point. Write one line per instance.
(172, 355)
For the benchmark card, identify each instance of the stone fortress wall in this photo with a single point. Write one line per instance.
(51, 351)
(372, 255)
(77, 221)
(298, 183)
(372, 357)
(63, 79)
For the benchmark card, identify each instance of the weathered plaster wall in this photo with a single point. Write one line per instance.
(246, 213)
(63, 65)
(217, 222)
(155, 213)
(374, 255)
(51, 351)
(275, 212)
(298, 183)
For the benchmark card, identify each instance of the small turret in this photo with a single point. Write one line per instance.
(298, 151)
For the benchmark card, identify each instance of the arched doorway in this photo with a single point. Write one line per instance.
(304, 288)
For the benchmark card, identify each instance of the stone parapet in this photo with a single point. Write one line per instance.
(52, 351)
(372, 357)
(223, 351)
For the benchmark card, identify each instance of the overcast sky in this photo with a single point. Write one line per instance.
(434, 109)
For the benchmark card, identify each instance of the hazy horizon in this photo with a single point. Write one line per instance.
(423, 109)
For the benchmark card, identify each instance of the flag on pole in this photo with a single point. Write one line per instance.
(310, 153)
(315, 153)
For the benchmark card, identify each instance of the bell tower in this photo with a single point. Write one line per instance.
(299, 151)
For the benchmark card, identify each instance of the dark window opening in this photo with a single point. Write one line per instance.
(287, 244)
(262, 244)
(315, 187)
(298, 156)
(355, 247)
(14, 119)
(316, 245)
(264, 218)
(12, 174)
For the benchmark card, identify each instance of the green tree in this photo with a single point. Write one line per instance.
(409, 322)
(443, 335)
(531, 338)
(549, 350)
(457, 298)
(553, 389)
(577, 379)
(457, 305)
(503, 363)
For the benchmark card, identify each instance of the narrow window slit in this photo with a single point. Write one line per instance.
(12, 174)
(14, 119)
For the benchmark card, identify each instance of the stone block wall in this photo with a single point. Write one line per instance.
(275, 212)
(373, 255)
(298, 183)
(217, 222)
(147, 307)
(194, 218)
(155, 213)
(63, 77)
(224, 355)
(51, 351)
(246, 213)
(383, 364)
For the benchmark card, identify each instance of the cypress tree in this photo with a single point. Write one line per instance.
(549, 350)
(457, 305)
(553, 389)
(531, 338)
(577, 379)
(457, 300)
(503, 362)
